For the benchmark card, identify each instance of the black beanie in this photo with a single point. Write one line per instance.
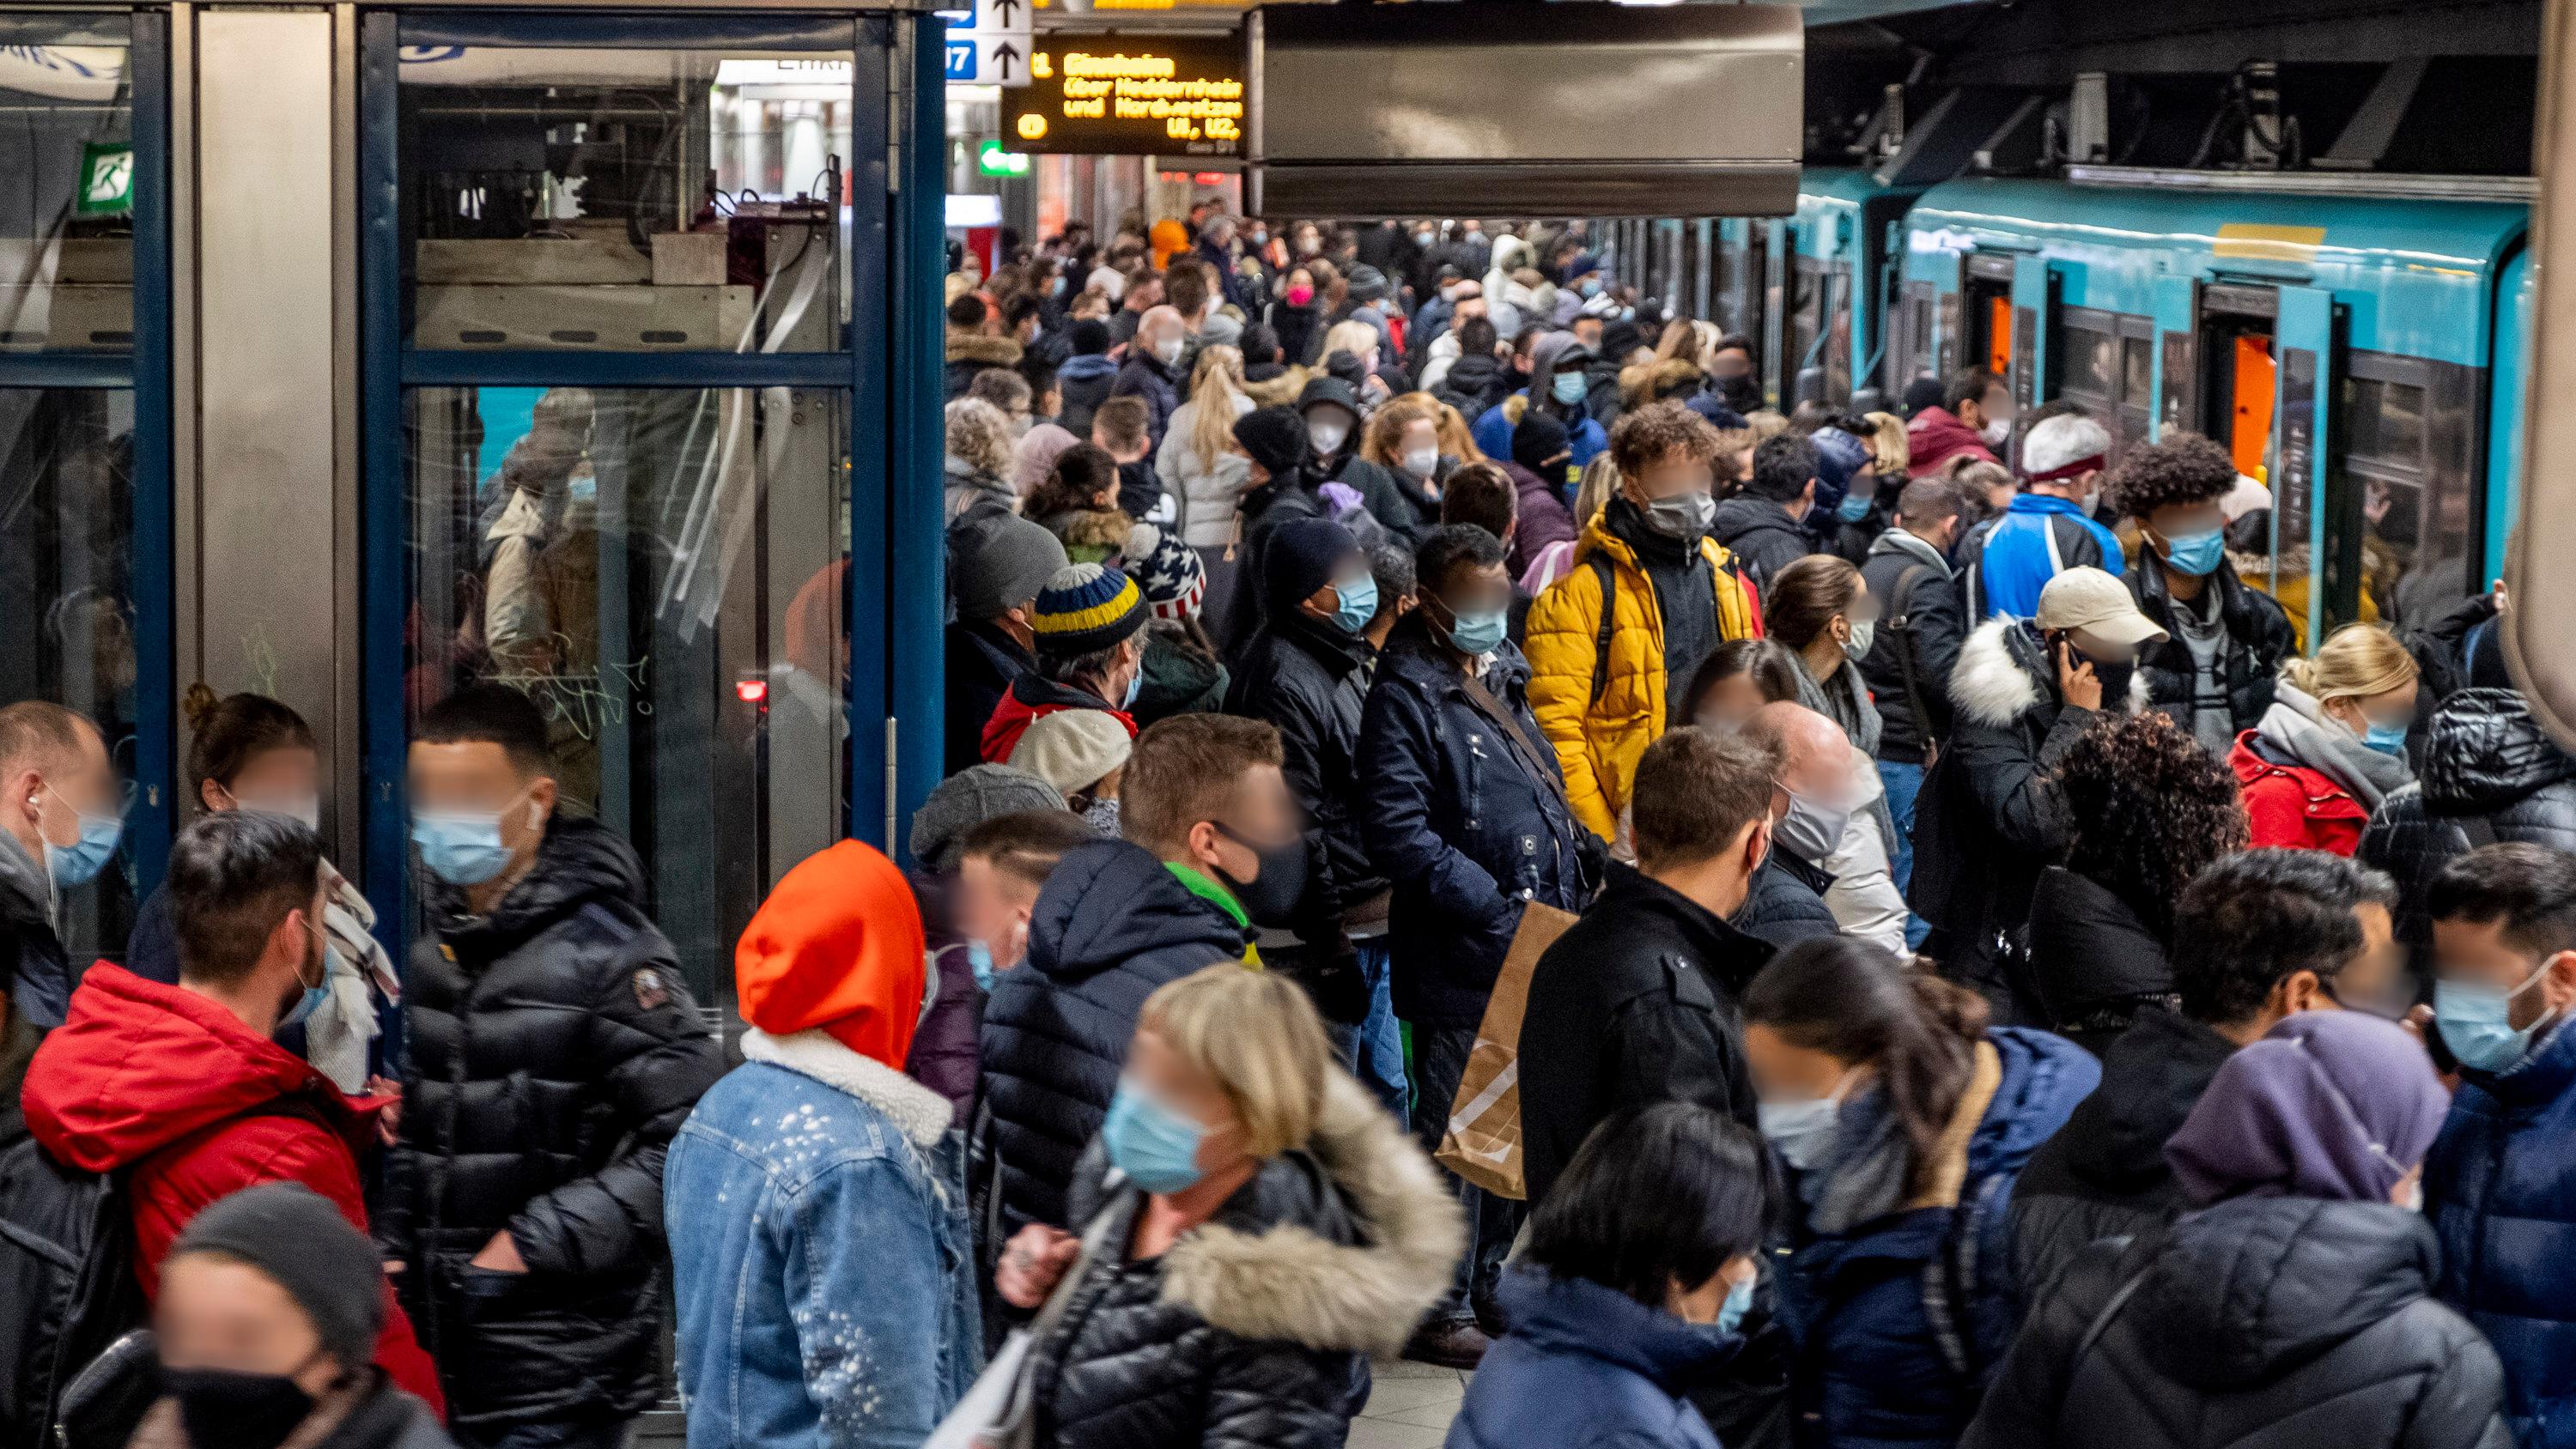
(295, 1236)
(1090, 337)
(1539, 438)
(1299, 559)
(1275, 438)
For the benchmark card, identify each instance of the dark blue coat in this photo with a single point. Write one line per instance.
(1871, 1370)
(1112, 924)
(1449, 815)
(2500, 1189)
(1587, 1367)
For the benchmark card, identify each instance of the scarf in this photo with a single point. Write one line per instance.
(2298, 724)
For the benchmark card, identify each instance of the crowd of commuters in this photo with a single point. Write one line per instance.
(1957, 969)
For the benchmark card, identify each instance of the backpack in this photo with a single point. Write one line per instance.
(67, 1283)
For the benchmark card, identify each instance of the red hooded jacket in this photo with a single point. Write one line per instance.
(1033, 697)
(2293, 807)
(172, 1090)
(1935, 437)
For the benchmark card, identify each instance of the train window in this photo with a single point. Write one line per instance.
(662, 571)
(625, 200)
(2091, 359)
(1838, 341)
(67, 212)
(2384, 421)
(2138, 373)
(1806, 315)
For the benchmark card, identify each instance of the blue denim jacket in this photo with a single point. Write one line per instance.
(824, 1261)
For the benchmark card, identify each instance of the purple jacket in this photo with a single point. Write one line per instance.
(945, 1056)
(1544, 519)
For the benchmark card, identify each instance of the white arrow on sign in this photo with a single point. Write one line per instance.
(1004, 17)
(1003, 60)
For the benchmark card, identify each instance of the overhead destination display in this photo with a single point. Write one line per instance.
(1131, 95)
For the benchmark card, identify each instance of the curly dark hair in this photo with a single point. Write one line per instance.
(2184, 468)
(2151, 810)
(1644, 436)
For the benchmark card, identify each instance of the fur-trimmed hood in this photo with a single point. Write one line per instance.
(977, 347)
(921, 1114)
(1286, 1282)
(1998, 678)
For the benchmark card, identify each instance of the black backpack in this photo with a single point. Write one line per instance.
(67, 1283)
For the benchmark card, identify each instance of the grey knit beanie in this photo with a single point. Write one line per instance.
(968, 799)
(295, 1236)
(1000, 562)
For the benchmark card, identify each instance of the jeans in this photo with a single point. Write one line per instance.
(1376, 1049)
(1903, 783)
(1440, 1059)
(585, 1434)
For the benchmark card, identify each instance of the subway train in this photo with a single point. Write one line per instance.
(2357, 342)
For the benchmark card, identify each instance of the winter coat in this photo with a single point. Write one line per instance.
(972, 354)
(1082, 385)
(1493, 431)
(2095, 964)
(1762, 536)
(367, 1412)
(1309, 679)
(1934, 436)
(2258, 638)
(1588, 1367)
(1406, 514)
(2104, 1174)
(2010, 559)
(554, 1050)
(189, 1106)
(2483, 756)
(1298, 495)
(1032, 697)
(1144, 375)
(2500, 1192)
(1300, 330)
(1787, 902)
(983, 661)
(1540, 522)
(1635, 1004)
(1206, 487)
(1469, 384)
(1111, 924)
(1598, 740)
(32, 959)
(972, 493)
(1178, 678)
(2309, 783)
(1253, 1330)
(1872, 1368)
(2259, 1323)
(18, 1040)
(825, 1274)
(1935, 629)
(1450, 814)
(944, 1055)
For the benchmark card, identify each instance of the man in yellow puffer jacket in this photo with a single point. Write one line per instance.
(1602, 697)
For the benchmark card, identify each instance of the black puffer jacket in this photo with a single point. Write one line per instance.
(34, 966)
(1263, 509)
(1310, 679)
(2258, 638)
(1253, 1332)
(2485, 757)
(2095, 964)
(1786, 903)
(2104, 1175)
(1934, 616)
(553, 1052)
(1762, 536)
(1112, 924)
(2260, 1323)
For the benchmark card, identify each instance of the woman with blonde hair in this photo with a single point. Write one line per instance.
(1457, 438)
(1198, 463)
(1360, 340)
(1889, 454)
(979, 459)
(1403, 437)
(2333, 744)
(1253, 1225)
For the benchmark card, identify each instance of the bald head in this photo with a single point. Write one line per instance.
(1160, 325)
(1813, 754)
(53, 766)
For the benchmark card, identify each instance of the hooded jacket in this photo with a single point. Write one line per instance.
(2484, 755)
(1261, 511)
(1032, 697)
(1493, 431)
(1935, 436)
(1598, 741)
(1309, 679)
(2257, 637)
(971, 354)
(1469, 384)
(1874, 1365)
(1083, 384)
(2104, 1175)
(1588, 1367)
(1111, 925)
(2095, 964)
(32, 959)
(174, 1092)
(2010, 559)
(1144, 375)
(1935, 629)
(2259, 1323)
(1762, 535)
(2500, 1192)
(1540, 520)
(1254, 1330)
(554, 1050)
(2309, 784)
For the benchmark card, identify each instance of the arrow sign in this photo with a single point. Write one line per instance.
(1005, 61)
(996, 17)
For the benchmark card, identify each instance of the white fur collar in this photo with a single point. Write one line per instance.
(1992, 688)
(921, 1114)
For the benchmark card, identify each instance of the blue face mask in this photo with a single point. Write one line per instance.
(79, 863)
(1852, 509)
(1739, 1301)
(2386, 738)
(2476, 1022)
(1567, 388)
(462, 848)
(1155, 1146)
(1135, 686)
(310, 1002)
(979, 959)
(1589, 286)
(1359, 604)
(1802, 1132)
(2195, 553)
(1476, 633)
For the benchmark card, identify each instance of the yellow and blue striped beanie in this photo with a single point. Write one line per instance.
(1086, 608)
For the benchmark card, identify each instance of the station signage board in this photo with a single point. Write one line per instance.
(1131, 95)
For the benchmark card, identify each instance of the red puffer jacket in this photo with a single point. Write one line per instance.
(171, 1089)
(2294, 807)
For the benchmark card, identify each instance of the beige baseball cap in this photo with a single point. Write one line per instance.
(2098, 604)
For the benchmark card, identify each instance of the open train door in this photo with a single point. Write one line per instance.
(1779, 371)
(1947, 313)
(2034, 306)
(2316, 514)
(2177, 315)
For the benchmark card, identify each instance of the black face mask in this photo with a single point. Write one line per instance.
(225, 1410)
(1271, 897)
(1740, 394)
(2115, 677)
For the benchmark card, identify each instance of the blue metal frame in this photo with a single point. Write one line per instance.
(917, 571)
(871, 457)
(380, 510)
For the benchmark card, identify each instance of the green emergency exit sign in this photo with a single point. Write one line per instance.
(106, 179)
(992, 160)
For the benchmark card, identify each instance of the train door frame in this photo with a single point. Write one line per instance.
(2177, 355)
(2308, 355)
(1985, 294)
(2036, 289)
(1703, 271)
(1778, 240)
(2231, 311)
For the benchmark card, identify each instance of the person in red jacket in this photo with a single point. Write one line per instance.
(2332, 745)
(179, 1088)
(1086, 621)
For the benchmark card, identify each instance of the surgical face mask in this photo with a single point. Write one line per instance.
(1168, 350)
(2195, 553)
(1155, 1146)
(1739, 1301)
(464, 847)
(2388, 739)
(1852, 509)
(221, 1409)
(1802, 1132)
(2090, 502)
(1358, 603)
(1684, 516)
(1422, 462)
(1589, 286)
(1300, 295)
(79, 863)
(1449, 293)
(1135, 686)
(1477, 633)
(313, 995)
(1812, 829)
(1425, 237)
(2476, 1022)
(1567, 388)
(1327, 436)
(979, 959)
(1857, 646)
(1997, 431)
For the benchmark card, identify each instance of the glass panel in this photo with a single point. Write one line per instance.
(67, 586)
(1837, 360)
(1806, 300)
(2138, 373)
(2384, 421)
(661, 570)
(665, 200)
(2092, 361)
(66, 184)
